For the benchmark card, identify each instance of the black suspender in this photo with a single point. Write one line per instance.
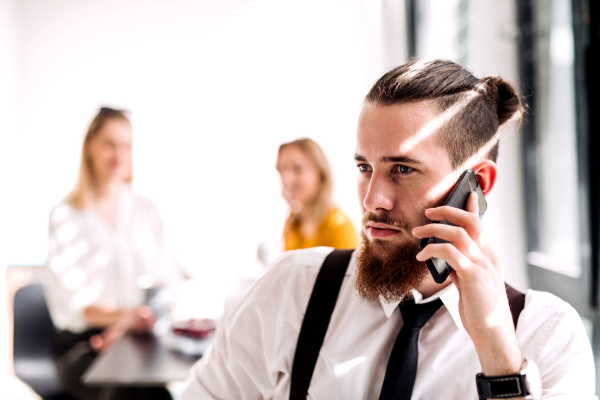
(316, 320)
(318, 314)
(516, 302)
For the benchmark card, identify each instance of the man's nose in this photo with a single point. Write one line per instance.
(379, 195)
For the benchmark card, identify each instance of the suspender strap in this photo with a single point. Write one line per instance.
(318, 314)
(316, 320)
(516, 302)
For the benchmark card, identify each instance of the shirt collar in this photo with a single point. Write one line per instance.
(448, 295)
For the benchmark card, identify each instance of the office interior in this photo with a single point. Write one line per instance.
(216, 86)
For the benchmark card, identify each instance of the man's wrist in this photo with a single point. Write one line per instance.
(500, 354)
(526, 384)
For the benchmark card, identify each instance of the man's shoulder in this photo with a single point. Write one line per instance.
(305, 262)
(282, 291)
(291, 274)
(546, 304)
(549, 319)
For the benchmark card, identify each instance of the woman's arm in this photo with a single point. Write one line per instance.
(117, 323)
(138, 319)
(98, 316)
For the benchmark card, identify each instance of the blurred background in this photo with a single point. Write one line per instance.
(216, 86)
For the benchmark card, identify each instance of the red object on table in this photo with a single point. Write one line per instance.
(195, 328)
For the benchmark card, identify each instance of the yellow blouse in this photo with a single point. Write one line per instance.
(335, 231)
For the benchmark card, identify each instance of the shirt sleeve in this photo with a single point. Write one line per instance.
(255, 340)
(565, 360)
(69, 289)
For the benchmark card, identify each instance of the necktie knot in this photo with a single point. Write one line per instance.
(417, 315)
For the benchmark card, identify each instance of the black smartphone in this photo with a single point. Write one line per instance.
(467, 184)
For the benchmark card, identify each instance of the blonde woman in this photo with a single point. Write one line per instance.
(307, 185)
(106, 243)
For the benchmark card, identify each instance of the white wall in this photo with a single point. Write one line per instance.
(8, 127)
(493, 51)
(215, 87)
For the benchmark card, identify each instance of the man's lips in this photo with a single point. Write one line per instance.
(378, 230)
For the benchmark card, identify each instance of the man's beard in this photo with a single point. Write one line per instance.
(386, 270)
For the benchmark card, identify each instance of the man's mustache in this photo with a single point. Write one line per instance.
(383, 219)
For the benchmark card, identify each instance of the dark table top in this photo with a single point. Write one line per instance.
(139, 360)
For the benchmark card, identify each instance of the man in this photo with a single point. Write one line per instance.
(421, 126)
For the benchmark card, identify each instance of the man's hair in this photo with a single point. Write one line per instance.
(472, 108)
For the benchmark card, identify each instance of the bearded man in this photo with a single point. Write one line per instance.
(373, 323)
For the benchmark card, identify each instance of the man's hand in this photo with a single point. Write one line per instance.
(483, 304)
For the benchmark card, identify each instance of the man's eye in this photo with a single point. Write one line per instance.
(403, 169)
(363, 167)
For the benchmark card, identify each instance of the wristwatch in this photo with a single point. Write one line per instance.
(527, 383)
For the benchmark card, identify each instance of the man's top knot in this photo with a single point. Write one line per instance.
(504, 95)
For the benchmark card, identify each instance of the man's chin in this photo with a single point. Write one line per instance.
(388, 269)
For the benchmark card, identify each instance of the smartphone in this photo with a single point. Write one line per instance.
(467, 184)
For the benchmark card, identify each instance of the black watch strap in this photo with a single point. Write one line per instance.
(501, 387)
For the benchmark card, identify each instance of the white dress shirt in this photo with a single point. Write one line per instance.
(253, 353)
(93, 263)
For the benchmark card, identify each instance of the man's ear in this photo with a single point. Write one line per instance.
(486, 171)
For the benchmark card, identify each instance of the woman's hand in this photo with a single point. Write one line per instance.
(483, 304)
(137, 320)
(142, 320)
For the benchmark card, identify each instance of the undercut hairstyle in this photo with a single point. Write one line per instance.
(475, 108)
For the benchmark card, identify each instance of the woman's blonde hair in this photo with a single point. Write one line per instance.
(82, 192)
(320, 205)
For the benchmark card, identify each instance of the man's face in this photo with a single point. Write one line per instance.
(403, 170)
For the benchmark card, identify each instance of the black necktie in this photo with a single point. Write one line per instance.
(402, 367)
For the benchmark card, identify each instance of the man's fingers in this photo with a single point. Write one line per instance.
(454, 234)
(473, 204)
(465, 219)
(446, 251)
(455, 279)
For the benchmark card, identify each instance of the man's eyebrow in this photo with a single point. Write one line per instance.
(400, 159)
(387, 159)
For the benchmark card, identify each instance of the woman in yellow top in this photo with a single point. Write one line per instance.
(307, 184)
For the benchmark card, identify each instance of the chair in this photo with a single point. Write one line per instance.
(34, 335)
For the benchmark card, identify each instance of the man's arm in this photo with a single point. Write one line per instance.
(563, 350)
(483, 304)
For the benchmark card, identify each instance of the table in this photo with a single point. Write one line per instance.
(136, 360)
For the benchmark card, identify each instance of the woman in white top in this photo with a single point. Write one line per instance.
(106, 244)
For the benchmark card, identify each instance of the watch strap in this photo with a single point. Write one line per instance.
(501, 387)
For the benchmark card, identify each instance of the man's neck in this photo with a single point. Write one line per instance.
(430, 287)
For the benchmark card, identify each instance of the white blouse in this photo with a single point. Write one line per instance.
(93, 263)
